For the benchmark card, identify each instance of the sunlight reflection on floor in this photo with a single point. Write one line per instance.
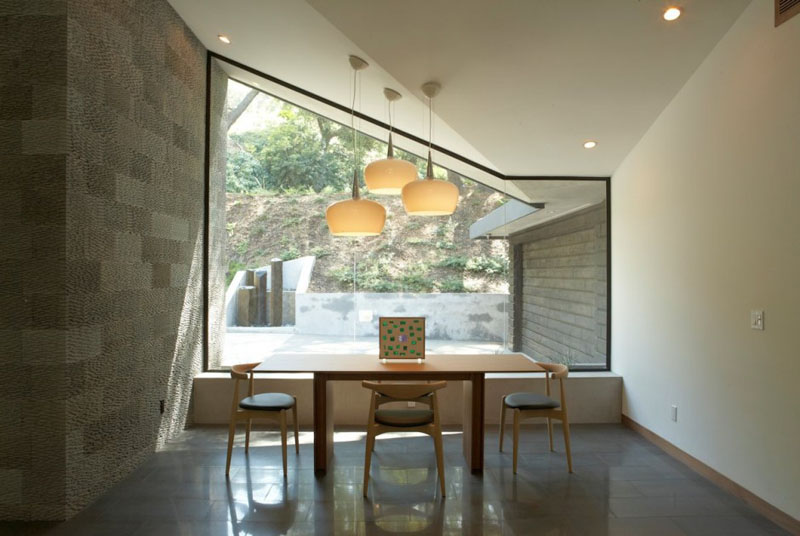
(272, 438)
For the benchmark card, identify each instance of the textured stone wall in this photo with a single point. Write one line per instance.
(563, 289)
(102, 192)
(34, 370)
(217, 231)
(136, 111)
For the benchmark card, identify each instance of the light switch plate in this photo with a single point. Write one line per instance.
(365, 315)
(673, 413)
(757, 319)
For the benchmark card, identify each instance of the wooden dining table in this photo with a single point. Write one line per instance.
(471, 369)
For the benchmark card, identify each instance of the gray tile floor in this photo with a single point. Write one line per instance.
(621, 485)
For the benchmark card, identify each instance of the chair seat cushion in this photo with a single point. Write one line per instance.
(530, 401)
(267, 401)
(404, 417)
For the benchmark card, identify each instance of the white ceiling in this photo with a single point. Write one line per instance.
(289, 40)
(524, 82)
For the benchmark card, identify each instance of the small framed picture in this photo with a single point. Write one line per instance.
(401, 337)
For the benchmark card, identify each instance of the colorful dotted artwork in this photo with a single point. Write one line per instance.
(401, 337)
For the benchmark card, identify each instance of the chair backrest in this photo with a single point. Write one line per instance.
(239, 372)
(242, 371)
(404, 391)
(559, 372)
(555, 370)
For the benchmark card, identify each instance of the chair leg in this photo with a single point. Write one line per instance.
(247, 436)
(550, 433)
(283, 441)
(502, 421)
(231, 434)
(437, 443)
(516, 440)
(296, 428)
(565, 426)
(368, 456)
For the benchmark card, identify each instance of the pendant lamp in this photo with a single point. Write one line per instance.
(429, 196)
(388, 175)
(356, 216)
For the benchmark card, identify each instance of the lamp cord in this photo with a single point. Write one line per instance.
(353, 116)
(430, 123)
(356, 193)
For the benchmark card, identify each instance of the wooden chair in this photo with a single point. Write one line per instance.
(409, 420)
(535, 405)
(259, 406)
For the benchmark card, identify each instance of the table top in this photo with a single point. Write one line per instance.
(371, 364)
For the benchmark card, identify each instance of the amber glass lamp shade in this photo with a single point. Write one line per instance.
(429, 196)
(356, 216)
(388, 176)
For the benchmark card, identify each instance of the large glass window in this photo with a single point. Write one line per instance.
(280, 282)
(522, 264)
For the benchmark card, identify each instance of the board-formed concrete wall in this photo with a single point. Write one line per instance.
(101, 138)
(564, 289)
(463, 317)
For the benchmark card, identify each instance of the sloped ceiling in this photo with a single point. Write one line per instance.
(525, 82)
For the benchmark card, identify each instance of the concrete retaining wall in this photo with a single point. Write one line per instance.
(480, 317)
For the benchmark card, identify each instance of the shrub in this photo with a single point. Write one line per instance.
(417, 283)
(378, 285)
(458, 262)
(488, 265)
(342, 275)
(233, 267)
(416, 279)
(289, 254)
(452, 284)
(320, 252)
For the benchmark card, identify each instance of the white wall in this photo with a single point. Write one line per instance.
(706, 227)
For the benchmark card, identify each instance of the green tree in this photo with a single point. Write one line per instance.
(303, 151)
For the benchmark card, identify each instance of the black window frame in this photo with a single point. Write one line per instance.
(211, 56)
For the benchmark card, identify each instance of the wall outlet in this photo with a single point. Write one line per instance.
(412, 404)
(673, 413)
(161, 406)
(757, 319)
(365, 315)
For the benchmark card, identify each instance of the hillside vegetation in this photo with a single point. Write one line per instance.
(413, 254)
(285, 165)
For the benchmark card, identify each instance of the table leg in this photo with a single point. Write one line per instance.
(323, 422)
(473, 421)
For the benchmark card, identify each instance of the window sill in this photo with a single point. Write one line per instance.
(489, 375)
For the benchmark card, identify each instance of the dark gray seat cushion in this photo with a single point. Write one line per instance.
(404, 417)
(267, 401)
(530, 401)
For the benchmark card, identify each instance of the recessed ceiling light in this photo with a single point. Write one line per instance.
(224, 38)
(672, 13)
(589, 144)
